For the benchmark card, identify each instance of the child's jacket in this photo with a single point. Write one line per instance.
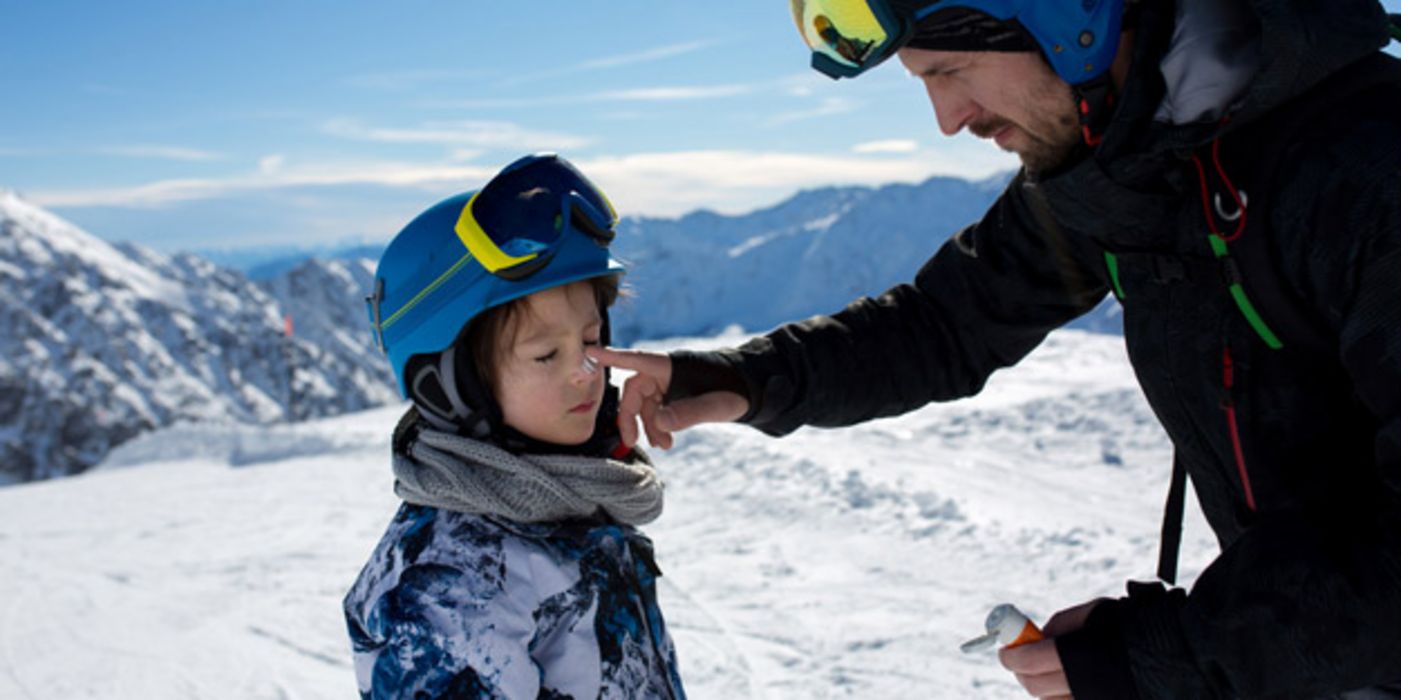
(473, 606)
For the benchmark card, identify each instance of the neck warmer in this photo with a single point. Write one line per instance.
(452, 472)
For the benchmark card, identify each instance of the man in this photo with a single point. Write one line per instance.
(1230, 170)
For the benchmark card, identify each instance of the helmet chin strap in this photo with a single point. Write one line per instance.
(436, 389)
(1094, 105)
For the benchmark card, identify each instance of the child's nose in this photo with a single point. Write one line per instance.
(588, 368)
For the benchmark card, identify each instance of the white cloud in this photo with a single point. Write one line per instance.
(888, 146)
(829, 106)
(160, 152)
(269, 165)
(674, 183)
(409, 79)
(655, 184)
(468, 134)
(157, 194)
(647, 56)
(641, 94)
(669, 94)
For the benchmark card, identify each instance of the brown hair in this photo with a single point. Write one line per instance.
(496, 327)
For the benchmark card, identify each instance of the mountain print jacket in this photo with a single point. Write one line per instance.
(455, 605)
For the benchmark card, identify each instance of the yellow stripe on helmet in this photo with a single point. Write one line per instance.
(480, 244)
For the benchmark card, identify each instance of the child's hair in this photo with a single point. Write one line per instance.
(496, 327)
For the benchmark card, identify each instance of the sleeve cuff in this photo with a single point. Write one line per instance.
(1095, 659)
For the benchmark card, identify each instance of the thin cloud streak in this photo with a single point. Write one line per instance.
(888, 146)
(277, 177)
(408, 79)
(648, 56)
(828, 107)
(653, 184)
(641, 57)
(643, 94)
(470, 134)
(161, 153)
(679, 182)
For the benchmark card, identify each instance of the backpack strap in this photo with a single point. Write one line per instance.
(1241, 244)
(1250, 264)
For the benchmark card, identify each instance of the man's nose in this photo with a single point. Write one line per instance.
(951, 109)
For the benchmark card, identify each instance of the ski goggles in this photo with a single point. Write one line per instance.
(515, 224)
(848, 37)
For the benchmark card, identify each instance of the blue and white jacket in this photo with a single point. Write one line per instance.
(456, 605)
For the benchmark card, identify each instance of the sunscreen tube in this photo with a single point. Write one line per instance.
(1006, 627)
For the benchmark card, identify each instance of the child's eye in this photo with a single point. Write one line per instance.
(545, 359)
(591, 342)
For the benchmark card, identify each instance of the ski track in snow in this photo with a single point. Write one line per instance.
(831, 563)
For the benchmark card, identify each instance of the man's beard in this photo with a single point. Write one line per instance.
(1042, 153)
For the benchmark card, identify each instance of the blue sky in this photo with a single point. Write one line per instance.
(201, 125)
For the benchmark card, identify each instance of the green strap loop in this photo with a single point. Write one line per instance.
(1112, 263)
(1247, 309)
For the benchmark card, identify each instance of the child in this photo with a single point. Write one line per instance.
(513, 569)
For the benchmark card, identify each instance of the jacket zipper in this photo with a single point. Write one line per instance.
(1228, 404)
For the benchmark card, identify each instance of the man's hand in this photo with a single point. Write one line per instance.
(644, 394)
(1037, 665)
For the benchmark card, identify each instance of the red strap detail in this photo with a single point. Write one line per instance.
(1229, 379)
(621, 451)
(1091, 139)
(1231, 188)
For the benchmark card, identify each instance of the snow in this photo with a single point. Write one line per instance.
(209, 560)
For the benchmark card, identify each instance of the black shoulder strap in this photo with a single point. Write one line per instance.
(1290, 317)
(1260, 147)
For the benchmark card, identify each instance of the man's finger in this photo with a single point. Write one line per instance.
(711, 407)
(653, 364)
(655, 436)
(1032, 659)
(1046, 685)
(637, 390)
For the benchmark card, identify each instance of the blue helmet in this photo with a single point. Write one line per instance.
(1079, 38)
(537, 224)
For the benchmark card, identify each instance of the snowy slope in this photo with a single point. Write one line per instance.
(840, 563)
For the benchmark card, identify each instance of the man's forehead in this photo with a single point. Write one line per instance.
(922, 61)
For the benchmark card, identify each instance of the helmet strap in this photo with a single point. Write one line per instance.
(1094, 104)
(435, 390)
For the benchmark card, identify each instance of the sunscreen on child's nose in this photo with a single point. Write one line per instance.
(590, 365)
(1006, 627)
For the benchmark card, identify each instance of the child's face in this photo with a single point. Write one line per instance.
(541, 383)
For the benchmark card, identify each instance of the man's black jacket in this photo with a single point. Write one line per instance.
(1305, 598)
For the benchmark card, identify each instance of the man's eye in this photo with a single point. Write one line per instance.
(544, 359)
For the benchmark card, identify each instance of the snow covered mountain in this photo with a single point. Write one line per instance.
(101, 342)
(810, 254)
(829, 564)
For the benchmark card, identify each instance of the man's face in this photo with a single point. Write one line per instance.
(1013, 98)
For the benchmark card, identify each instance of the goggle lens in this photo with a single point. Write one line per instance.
(846, 31)
(514, 223)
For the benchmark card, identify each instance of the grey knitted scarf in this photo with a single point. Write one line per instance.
(456, 473)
